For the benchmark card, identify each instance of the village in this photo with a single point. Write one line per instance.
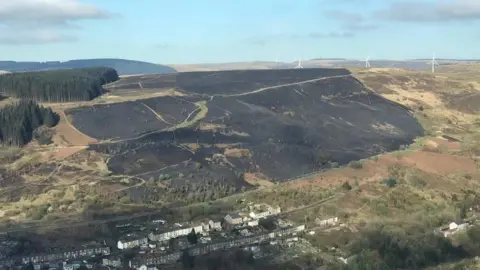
(259, 229)
(158, 243)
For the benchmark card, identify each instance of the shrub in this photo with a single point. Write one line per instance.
(346, 186)
(418, 182)
(322, 157)
(391, 182)
(43, 136)
(355, 165)
(163, 177)
(38, 212)
(333, 165)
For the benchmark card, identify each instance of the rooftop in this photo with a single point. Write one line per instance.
(176, 226)
(235, 215)
(132, 237)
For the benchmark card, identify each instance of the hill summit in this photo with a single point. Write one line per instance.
(122, 66)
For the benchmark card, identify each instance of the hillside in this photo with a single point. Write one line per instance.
(122, 66)
(280, 124)
(392, 153)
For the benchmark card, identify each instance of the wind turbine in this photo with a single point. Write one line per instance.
(367, 62)
(433, 63)
(299, 63)
(276, 61)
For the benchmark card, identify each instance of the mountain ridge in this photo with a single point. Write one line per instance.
(122, 66)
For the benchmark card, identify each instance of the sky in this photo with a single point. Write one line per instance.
(206, 31)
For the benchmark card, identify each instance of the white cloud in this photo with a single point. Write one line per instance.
(42, 21)
(35, 37)
(266, 39)
(351, 21)
(437, 11)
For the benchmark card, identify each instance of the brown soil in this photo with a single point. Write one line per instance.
(210, 126)
(237, 152)
(438, 163)
(440, 143)
(62, 153)
(67, 134)
(429, 162)
(257, 180)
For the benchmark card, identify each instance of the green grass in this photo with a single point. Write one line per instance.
(202, 106)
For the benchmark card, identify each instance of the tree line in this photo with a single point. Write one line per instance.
(63, 85)
(20, 119)
(401, 249)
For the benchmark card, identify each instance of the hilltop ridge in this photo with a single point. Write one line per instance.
(122, 66)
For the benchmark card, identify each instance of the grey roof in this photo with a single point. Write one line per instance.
(132, 237)
(235, 215)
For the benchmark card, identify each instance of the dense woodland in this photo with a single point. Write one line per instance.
(406, 249)
(18, 121)
(64, 85)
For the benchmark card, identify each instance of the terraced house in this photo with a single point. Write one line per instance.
(177, 231)
(131, 241)
(260, 211)
(99, 251)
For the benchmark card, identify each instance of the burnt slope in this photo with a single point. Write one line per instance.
(242, 81)
(130, 119)
(224, 82)
(288, 131)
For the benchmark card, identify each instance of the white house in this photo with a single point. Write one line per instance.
(327, 222)
(114, 261)
(131, 241)
(264, 211)
(253, 223)
(176, 232)
(235, 218)
(147, 267)
(452, 229)
(212, 226)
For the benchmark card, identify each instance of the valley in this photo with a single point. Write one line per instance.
(186, 146)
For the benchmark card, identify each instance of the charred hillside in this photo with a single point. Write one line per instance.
(284, 131)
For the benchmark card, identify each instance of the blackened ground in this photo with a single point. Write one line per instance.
(9, 178)
(223, 82)
(167, 80)
(129, 119)
(288, 131)
(241, 81)
(165, 163)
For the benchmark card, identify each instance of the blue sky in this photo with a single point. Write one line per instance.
(199, 31)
